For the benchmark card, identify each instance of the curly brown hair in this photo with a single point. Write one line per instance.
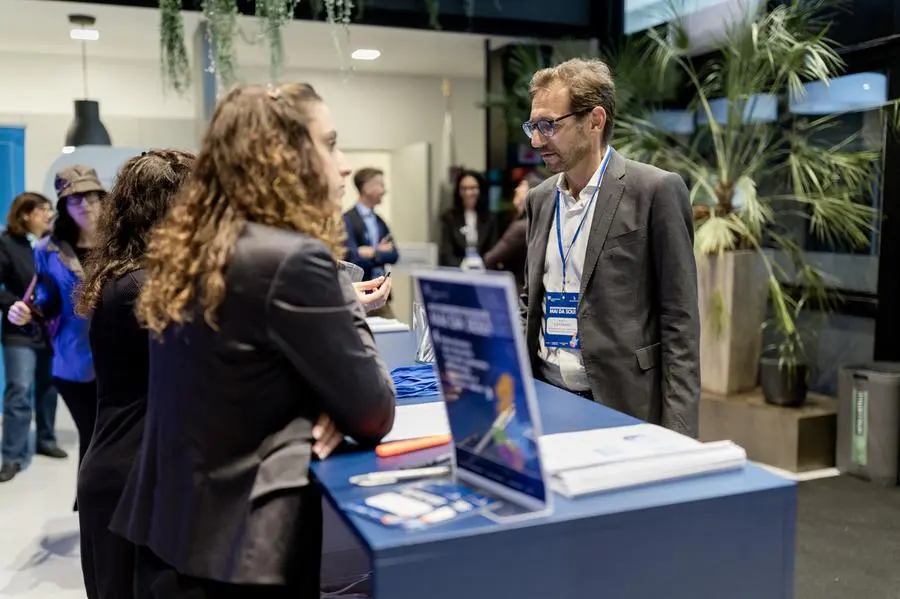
(139, 199)
(258, 163)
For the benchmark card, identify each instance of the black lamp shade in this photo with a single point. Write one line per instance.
(86, 129)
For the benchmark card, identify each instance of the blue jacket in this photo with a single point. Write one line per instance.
(59, 272)
(357, 236)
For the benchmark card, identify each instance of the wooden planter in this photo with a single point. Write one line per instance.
(733, 296)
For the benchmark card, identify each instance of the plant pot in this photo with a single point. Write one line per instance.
(733, 294)
(781, 385)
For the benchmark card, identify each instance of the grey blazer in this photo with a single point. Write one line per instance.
(638, 315)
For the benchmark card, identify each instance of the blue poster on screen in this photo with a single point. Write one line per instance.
(483, 379)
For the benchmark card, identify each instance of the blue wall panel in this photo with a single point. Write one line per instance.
(12, 183)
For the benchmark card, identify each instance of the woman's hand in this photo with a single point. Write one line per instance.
(19, 314)
(326, 437)
(373, 294)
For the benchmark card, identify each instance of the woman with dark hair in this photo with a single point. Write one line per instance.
(114, 277)
(511, 250)
(58, 261)
(26, 351)
(260, 359)
(468, 227)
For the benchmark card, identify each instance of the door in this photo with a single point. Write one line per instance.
(12, 183)
(12, 166)
(411, 221)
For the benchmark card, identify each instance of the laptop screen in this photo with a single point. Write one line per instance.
(485, 378)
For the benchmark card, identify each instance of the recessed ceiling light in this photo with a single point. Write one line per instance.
(364, 54)
(90, 35)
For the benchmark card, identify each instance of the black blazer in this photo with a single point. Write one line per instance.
(221, 489)
(453, 244)
(16, 272)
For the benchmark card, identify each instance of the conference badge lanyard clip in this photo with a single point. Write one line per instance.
(561, 307)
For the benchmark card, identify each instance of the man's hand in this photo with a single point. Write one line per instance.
(385, 246)
(19, 314)
(366, 251)
(373, 294)
(326, 437)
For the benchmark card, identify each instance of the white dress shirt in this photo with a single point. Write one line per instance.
(471, 228)
(562, 365)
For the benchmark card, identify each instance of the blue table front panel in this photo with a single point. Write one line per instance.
(722, 536)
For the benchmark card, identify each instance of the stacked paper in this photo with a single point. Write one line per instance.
(419, 420)
(598, 460)
(386, 325)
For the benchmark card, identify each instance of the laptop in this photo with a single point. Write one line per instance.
(485, 380)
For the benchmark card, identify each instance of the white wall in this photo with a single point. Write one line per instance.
(372, 112)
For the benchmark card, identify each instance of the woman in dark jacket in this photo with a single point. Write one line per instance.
(468, 225)
(511, 251)
(114, 276)
(260, 359)
(26, 351)
(58, 261)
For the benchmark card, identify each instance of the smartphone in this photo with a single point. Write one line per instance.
(387, 276)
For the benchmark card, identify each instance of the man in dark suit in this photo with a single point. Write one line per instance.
(369, 242)
(610, 302)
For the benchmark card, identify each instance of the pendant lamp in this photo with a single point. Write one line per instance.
(87, 129)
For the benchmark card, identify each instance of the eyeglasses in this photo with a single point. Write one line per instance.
(547, 127)
(76, 199)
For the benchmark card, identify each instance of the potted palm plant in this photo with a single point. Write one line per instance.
(786, 363)
(752, 168)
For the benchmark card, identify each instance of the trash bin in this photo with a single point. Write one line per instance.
(868, 439)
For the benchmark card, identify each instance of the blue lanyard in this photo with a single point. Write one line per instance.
(564, 255)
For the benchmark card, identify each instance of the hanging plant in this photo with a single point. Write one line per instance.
(176, 68)
(222, 29)
(274, 14)
(469, 8)
(434, 13)
(316, 7)
(338, 12)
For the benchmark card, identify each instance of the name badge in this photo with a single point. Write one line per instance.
(561, 320)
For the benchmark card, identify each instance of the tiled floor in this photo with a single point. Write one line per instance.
(39, 557)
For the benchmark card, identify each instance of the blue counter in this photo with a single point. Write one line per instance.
(722, 536)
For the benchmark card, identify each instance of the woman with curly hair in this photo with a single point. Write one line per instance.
(260, 359)
(114, 276)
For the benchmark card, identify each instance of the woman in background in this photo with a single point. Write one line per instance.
(27, 357)
(260, 359)
(58, 261)
(114, 277)
(510, 253)
(468, 225)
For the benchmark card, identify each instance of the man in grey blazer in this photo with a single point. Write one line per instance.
(610, 298)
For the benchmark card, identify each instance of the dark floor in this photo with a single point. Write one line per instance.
(848, 540)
